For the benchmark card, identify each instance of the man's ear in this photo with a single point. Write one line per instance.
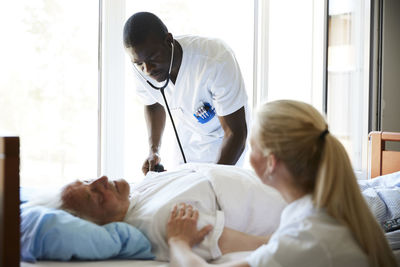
(168, 39)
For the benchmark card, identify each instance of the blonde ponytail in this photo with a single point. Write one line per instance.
(338, 192)
(296, 133)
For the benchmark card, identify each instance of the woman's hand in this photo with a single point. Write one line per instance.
(182, 225)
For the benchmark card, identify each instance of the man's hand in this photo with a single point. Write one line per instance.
(155, 121)
(152, 160)
(182, 225)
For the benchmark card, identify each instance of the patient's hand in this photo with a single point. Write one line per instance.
(182, 225)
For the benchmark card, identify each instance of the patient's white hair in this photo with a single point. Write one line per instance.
(48, 200)
(52, 200)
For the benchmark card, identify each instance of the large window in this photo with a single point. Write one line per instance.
(292, 60)
(208, 18)
(49, 66)
(49, 87)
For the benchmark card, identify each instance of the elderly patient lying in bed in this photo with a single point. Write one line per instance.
(230, 199)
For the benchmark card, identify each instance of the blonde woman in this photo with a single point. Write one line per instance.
(326, 223)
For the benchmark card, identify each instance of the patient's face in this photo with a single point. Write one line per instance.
(100, 200)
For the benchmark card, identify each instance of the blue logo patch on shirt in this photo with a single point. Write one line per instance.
(204, 113)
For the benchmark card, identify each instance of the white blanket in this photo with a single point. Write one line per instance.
(225, 197)
(249, 206)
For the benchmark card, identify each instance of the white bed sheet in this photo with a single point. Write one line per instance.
(126, 263)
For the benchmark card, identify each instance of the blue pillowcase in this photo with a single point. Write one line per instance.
(53, 234)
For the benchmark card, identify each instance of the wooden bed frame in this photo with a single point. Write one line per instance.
(9, 202)
(381, 162)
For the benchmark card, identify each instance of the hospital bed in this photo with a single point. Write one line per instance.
(381, 161)
(9, 201)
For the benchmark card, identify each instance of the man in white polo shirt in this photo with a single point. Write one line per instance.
(203, 86)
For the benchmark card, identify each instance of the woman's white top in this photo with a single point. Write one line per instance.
(309, 237)
(209, 73)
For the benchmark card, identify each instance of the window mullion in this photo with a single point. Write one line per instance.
(112, 88)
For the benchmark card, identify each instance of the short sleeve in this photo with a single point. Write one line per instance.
(142, 91)
(300, 249)
(228, 89)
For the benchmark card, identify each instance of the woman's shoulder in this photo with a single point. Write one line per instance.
(321, 236)
(314, 241)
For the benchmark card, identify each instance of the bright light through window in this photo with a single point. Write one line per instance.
(295, 50)
(49, 87)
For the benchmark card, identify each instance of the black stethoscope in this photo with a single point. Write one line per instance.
(161, 89)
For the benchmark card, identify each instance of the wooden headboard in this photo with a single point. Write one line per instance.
(9, 202)
(383, 161)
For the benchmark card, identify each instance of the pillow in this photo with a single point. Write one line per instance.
(382, 195)
(387, 180)
(51, 234)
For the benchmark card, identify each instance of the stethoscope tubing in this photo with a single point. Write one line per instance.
(161, 89)
(173, 124)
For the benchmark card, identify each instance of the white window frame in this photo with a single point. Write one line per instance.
(261, 52)
(111, 89)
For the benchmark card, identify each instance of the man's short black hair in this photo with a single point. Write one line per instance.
(140, 25)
